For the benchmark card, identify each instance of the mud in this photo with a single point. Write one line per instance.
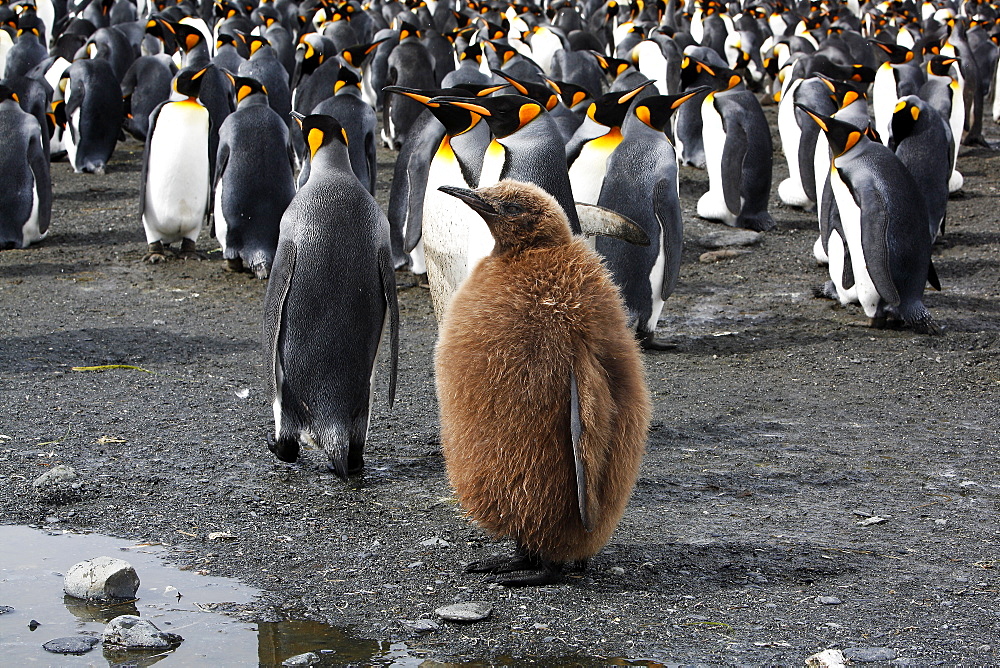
(782, 427)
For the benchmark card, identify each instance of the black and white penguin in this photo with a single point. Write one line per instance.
(641, 184)
(360, 122)
(737, 155)
(696, 72)
(26, 205)
(920, 138)
(176, 175)
(884, 222)
(798, 138)
(410, 66)
(253, 181)
(94, 113)
(323, 324)
(943, 91)
(265, 67)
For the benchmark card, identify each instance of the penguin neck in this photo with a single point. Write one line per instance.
(331, 156)
(253, 100)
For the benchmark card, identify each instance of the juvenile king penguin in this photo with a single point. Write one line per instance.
(176, 178)
(641, 184)
(253, 180)
(330, 299)
(884, 221)
(544, 410)
(737, 155)
(26, 205)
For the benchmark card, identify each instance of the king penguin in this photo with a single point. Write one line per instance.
(884, 219)
(174, 188)
(737, 155)
(323, 325)
(544, 409)
(26, 205)
(253, 180)
(94, 114)
(641, 184)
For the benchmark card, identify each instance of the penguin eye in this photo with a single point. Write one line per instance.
(513, 209)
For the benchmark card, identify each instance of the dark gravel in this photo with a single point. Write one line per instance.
(781, 424)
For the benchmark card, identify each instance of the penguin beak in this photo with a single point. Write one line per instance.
(474, 200)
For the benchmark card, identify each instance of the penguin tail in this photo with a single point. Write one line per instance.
(919, 318)
(345, 455)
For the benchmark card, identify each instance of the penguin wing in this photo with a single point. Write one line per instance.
(834, 224)
(388, 279)
(932, 276)
(576, 432)
(874, 241)
(274, 306)
(666, 207)
(221, 161)
(38, 161)
(145, 157)
(733, 153)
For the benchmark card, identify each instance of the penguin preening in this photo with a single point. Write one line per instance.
(330, 302)
(544, 410)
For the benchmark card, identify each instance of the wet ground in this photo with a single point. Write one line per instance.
(794, 453)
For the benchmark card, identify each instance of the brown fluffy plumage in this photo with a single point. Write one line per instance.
(540, 305)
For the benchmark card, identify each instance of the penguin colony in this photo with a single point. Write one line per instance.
(551, 120)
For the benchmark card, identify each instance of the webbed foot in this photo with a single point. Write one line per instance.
(154, 253)
(189, 251)
(234, 265)
(547, 573)
(648, 341)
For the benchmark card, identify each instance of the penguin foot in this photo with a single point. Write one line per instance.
(154, 253)
(189, 251)
(878, 322)
(978, 140)
(234, 265)
(260, 270)
(648, 341)
(422, 281)
(826, 291)
(548, 574)
(500, 564)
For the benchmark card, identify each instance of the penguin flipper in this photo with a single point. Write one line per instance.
(932, 276)
(38, 161)
(576, 433)
(733, 153)
(672, 227)
(388, 279)
(145, 158)
(274, 307)
(874, 232)
(596, 220)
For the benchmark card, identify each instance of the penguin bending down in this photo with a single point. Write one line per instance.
(176, 178)
(94, 112)
(884, 223)
(544, 410)
(253, 180)
(323, 325)
(737, 155)
(26, 205)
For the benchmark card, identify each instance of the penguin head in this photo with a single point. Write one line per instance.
(572, 95)
(611, 109)
(894, 53)
(905, 116)
(355, 55)
(188, 82)
(505, 114)
(255, 44)
(7, 93)
(843, 93)
(613, 67)
(456, 119)
(504, 52)
(347, 80)
(724, 79)
(541, 94)
(408, 31)
(320, 131)
(842, 136)
(941, 65)
(655, 111)
(188, 37)
(247, 86)
(521, 216)
(473, 52)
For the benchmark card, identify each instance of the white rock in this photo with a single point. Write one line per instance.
(465, 612)
(101, 578)
(130, 632)
(307, 659)
(828, 658)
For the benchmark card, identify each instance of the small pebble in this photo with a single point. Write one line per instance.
(719, 255)
(4, 609)
(307, 659)
(71, 645)
(828, 600)
(421, 625)
(617, 570)
(33, 624)
(465, 612)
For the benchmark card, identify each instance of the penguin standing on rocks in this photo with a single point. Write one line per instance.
(884, 221)
(641, 184)
(323, 324)
(26, 205)
(253, 180)
(544, 410)
(737, 155)
(174, 188)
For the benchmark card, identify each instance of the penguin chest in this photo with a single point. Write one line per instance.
(850, 219)
(586, 176)
(177, 175)
(493, 164)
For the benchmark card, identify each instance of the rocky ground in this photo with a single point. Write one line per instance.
(810, 483)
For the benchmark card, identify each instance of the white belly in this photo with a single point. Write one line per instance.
(177, 178)
(850, 220)
(586, 175)
(712, 205)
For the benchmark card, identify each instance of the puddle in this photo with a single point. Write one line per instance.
(32, 564)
